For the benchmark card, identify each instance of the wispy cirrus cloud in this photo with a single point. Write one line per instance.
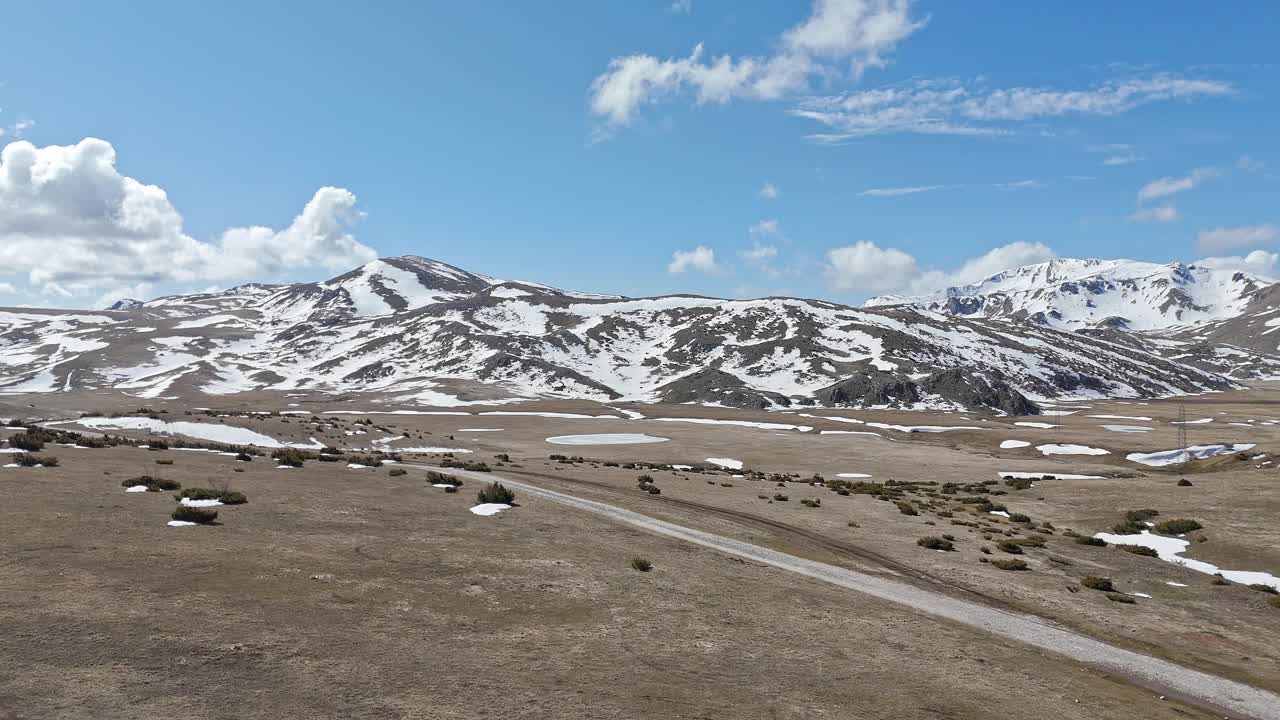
(1159, 213)
(955, 107)
(897, 191)
(1172, 185)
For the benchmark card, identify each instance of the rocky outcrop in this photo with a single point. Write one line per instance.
(979, 390)
(722, 388)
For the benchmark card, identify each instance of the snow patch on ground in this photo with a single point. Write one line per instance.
(180, 523)
(921, 428)
(1120, 417)
(1170, 549)
(1046, 476)
(1042, 426)
(188, 502)
(487, 509)
(852, 475)
(729, 463)
(606, 439)
(1011, 444)
(1195, 452)
(227, 434)
(1128, 428)
(739, 423)
(1069, 449)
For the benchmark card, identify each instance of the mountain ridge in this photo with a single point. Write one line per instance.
(429, 332)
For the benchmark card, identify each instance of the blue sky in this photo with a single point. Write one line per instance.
(588, 145)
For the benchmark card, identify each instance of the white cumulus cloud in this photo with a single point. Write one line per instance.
(838, 37)
(868, 268)
(701, 259)
(1235, 238)
(74, 225)
(769, 191)
(1258, 262)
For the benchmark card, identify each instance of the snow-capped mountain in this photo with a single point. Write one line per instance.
(421, 329)
(1079, 294)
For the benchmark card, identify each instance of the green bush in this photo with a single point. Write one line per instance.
(1139, 550)
(906, 508)
(292, 457)
(154, 484)
(496, 493)
(226, 497)
(1178, 526)
(1019, 518)
(439, 478)
(1011, 564)
(27, 441)
(202, 516)
(1010, 547)
(1098, 583)
(1096, 542)
(932, 542)
(1135, 521)
(641, 564)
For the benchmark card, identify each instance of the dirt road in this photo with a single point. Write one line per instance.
(1159, 675)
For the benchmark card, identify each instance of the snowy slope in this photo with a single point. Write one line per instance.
(1076, 294)
(423, 329)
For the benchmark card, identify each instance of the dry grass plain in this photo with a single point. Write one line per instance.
(338, 592)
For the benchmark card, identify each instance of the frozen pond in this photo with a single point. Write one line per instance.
(606, 439)
(226, 434)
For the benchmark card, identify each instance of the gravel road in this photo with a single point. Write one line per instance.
(1159, 675)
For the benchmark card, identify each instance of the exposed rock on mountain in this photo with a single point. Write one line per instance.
(1077, 294)
(427, 331)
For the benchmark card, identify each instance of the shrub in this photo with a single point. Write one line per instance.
(473, 466)
(292, 457)
(244, 457)
(1219, 580)
(1134, 522)
(451, 488)
(1139, 550)
(811, 502)
(935, 543)
(1184, 483)
(1121, 598)
(1019, 518)
(1010, 547)
(26, 441)
(1264, 588)
(154, 484)
(496, 493)
(157, 445)
(641, 564)
(1178, 526)
(1096, 542)
(439, 478)
(644, 479)
(1018, 483)
(906, 508)
(202, 516)
(223, 495)
(502, 457)
(397, 472)
(779, 497)
(655, 490)
(1098, 583)
(1011, 564)
(164, 461)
